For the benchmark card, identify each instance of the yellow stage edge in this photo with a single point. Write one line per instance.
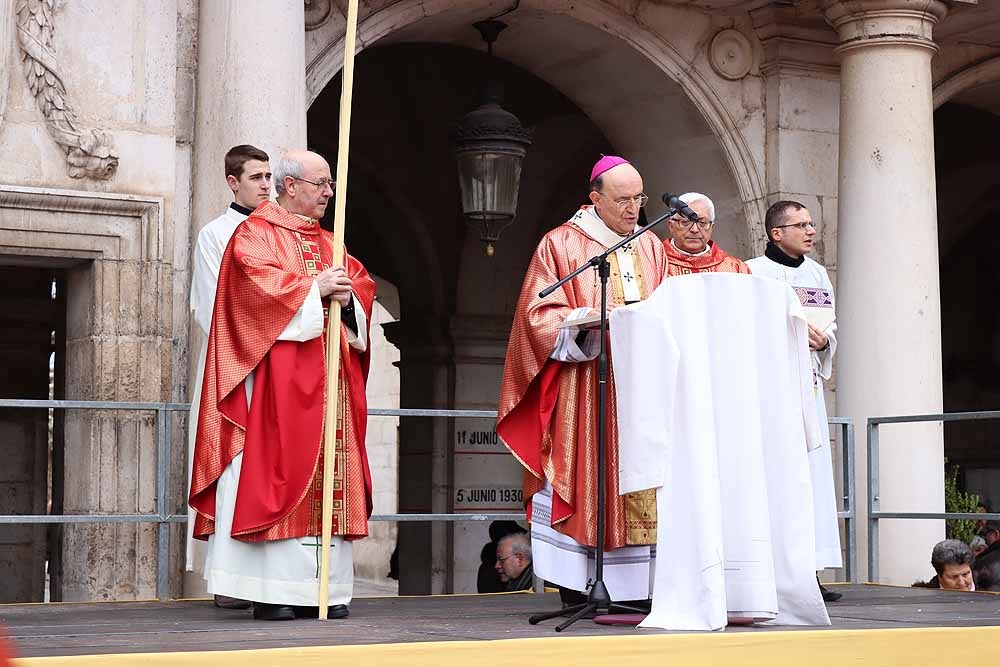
(793, 648)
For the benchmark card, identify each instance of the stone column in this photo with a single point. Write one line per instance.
(250, 89)
(486, 477)
(426, 380)
(889, 310)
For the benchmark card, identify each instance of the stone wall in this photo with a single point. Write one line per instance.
(98, 132)
(89, 185)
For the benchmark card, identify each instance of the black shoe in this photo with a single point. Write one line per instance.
(272, 612)
(828, 595)
(333, 611)
(226, 602)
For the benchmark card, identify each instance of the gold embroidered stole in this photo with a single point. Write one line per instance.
(312, 265)
(640, 506)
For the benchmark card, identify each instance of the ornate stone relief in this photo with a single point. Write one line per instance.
(730, 54)
(317, 13)
(89, 151)
(6, 49)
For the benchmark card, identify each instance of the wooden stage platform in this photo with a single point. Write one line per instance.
(871, 625)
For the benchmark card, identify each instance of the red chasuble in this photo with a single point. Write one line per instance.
(548, 409)
(715, 260)
(265, 276)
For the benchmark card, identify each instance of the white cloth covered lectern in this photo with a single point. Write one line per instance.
(716, 412)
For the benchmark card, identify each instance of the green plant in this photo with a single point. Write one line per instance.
(956, 500)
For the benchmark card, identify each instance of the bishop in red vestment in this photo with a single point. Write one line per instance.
(690, 248)
(258, 466)
(548, 399)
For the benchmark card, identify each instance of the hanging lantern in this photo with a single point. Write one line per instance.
(490, 144)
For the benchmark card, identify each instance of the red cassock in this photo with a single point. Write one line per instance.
(266, 273)
(548, 409)
(715, 260)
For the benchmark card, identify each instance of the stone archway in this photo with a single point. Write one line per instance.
(678, 57)
(967, 133)
(405, 223)
(585, 89)
(985, 72)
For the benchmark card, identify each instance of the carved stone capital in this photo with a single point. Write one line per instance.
(863, 23)
(794, 39)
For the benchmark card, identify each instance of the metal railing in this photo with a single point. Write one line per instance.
(849, 498)
(164, 517)
(874, 512)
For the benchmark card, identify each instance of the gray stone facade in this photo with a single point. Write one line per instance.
(114, 117)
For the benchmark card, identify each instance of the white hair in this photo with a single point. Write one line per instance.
(520, 544)
(690, 198)
(286, 166)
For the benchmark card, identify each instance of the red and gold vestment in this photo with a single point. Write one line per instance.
(715, 260)
(548, 409)
(266, 274)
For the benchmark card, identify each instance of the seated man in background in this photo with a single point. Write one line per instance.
(514, 562)
(488, 579)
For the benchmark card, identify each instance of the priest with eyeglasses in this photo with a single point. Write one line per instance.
(690, 248)
(257, 479)
(791, 235)
(548, 397)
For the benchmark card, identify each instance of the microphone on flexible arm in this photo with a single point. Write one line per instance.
(674, 202)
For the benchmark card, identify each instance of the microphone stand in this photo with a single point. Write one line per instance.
(598, 598)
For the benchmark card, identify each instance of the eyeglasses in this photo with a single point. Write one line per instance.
(624, 202)
(801, 225)
(685, 223)
(321, 183)
(501, 559)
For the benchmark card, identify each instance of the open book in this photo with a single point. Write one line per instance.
(590, 321)
(818, 304)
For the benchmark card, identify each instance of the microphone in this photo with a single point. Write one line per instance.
(674, 202)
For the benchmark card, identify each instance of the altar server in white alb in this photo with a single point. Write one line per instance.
(715, 412)
(248, 174)
(791, 232)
